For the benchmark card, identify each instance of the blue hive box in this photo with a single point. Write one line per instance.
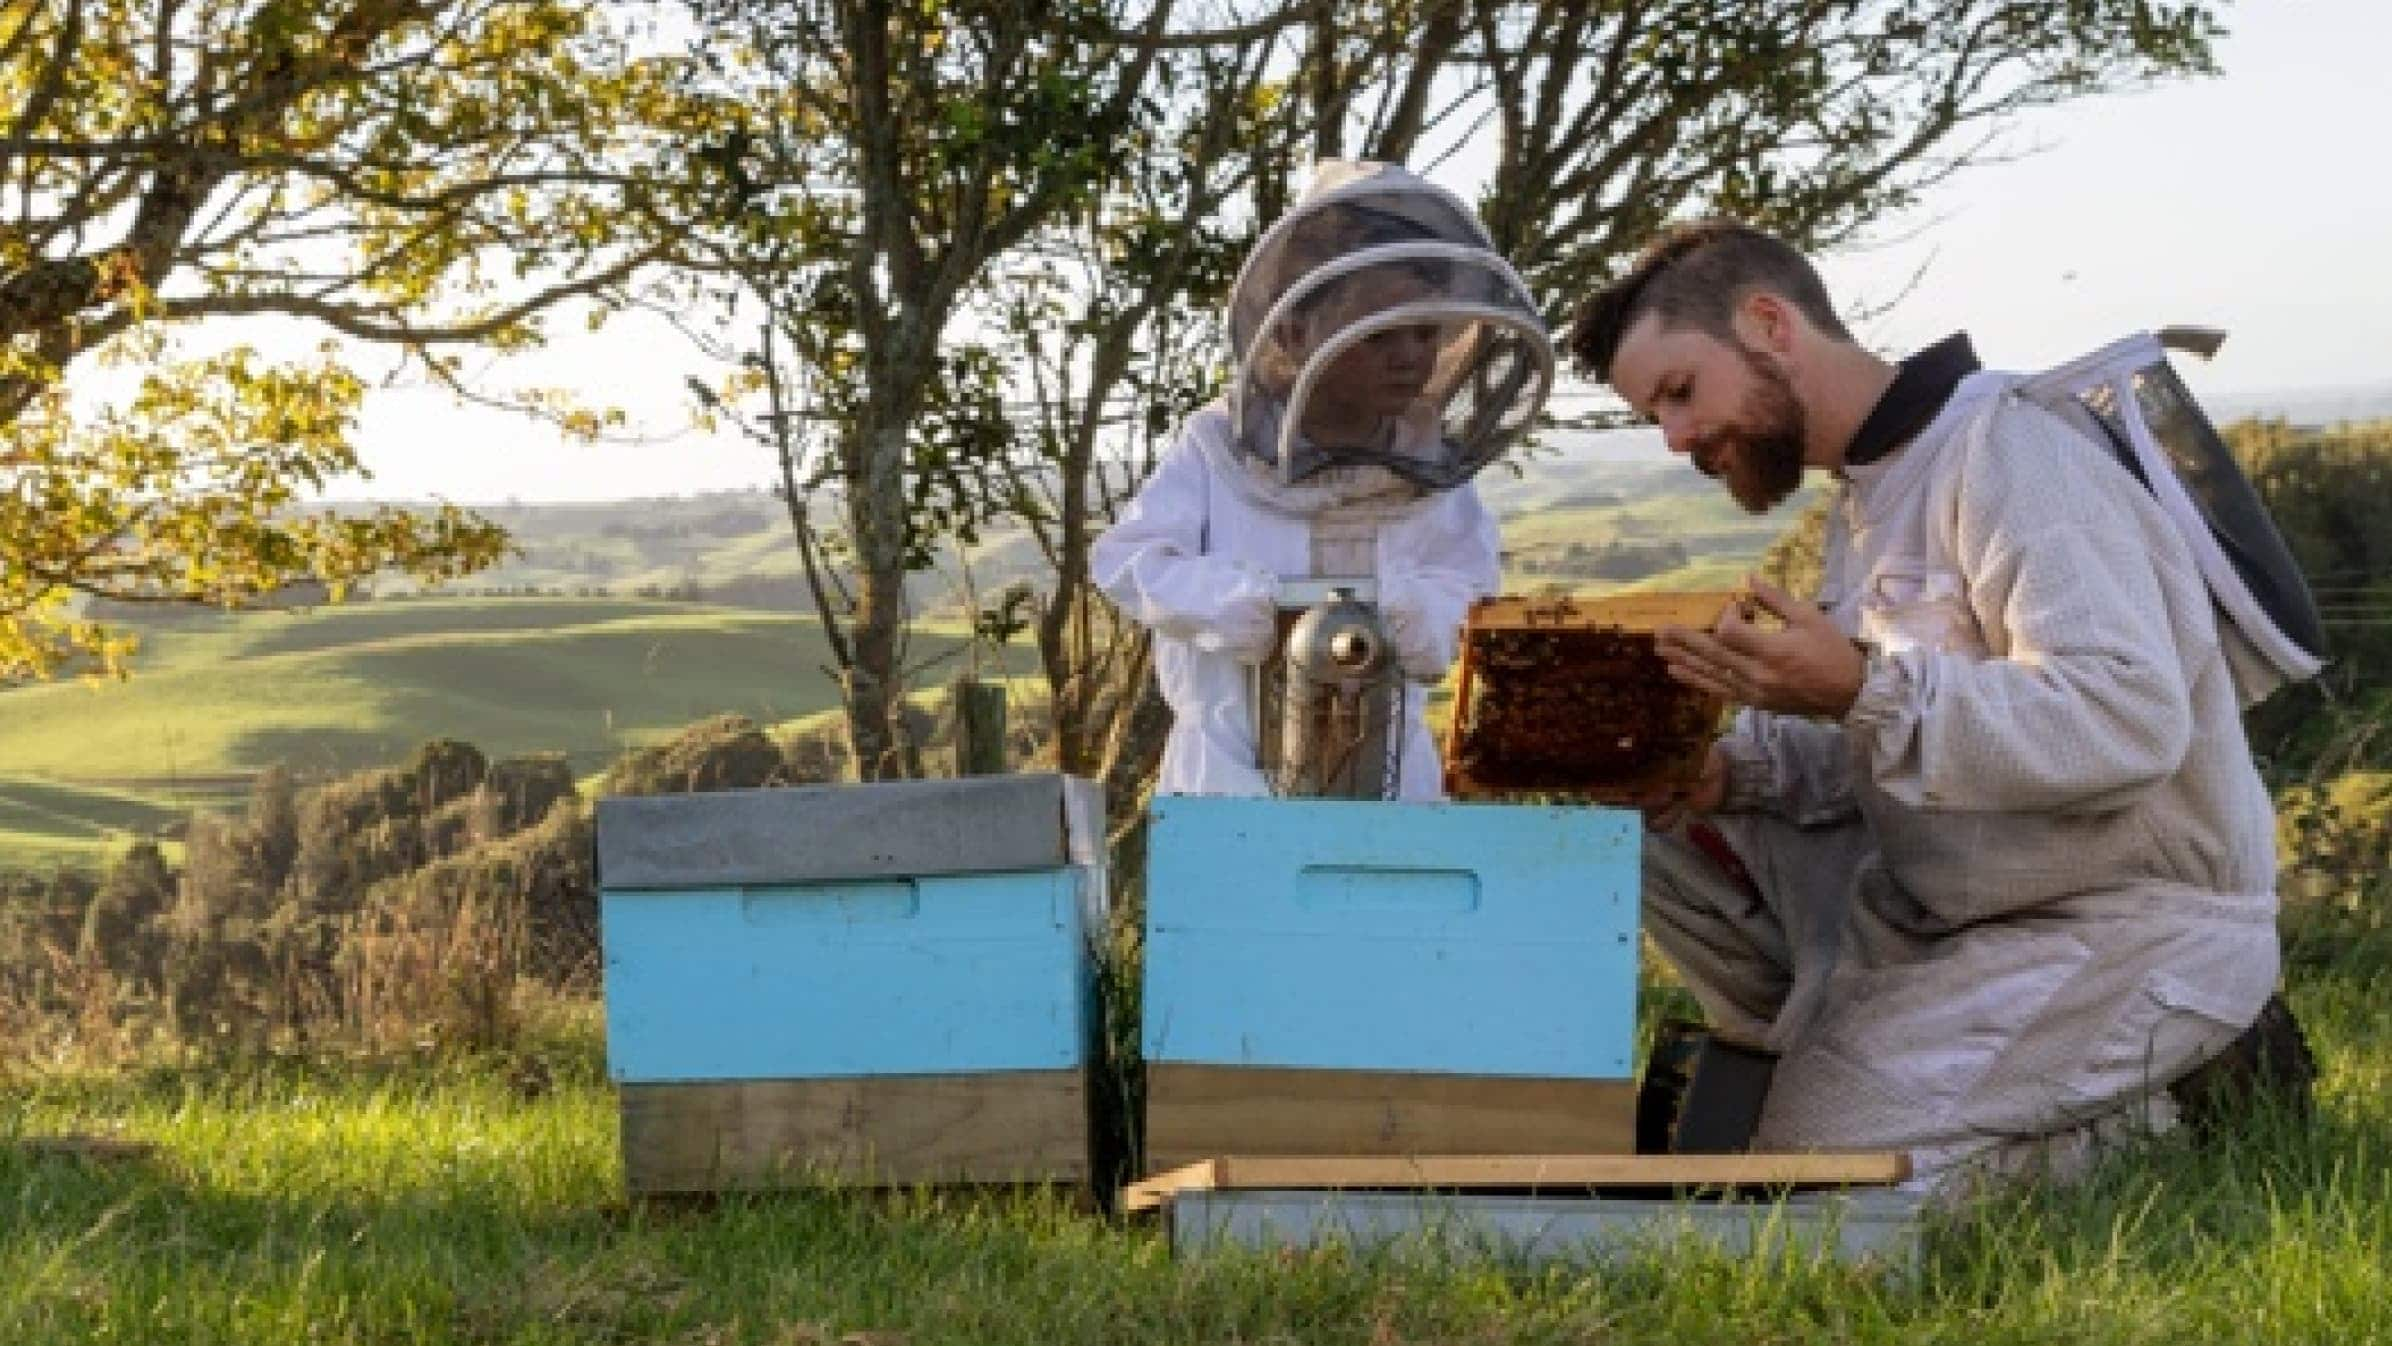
(1338, 977)
(887, 983)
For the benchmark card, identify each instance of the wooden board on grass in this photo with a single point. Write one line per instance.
(1462, 1172)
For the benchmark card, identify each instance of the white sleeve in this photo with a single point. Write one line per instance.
(1152, 564)
(1425, 596)
(2083, 704)
(1799, 769)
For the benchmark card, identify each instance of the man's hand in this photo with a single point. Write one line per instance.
(1806, 668)
(1667, 806)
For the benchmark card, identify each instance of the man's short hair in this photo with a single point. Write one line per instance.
(1693, 275)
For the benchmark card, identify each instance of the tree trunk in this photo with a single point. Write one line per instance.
(876, 512)
(1066, 677)
(1136, 752)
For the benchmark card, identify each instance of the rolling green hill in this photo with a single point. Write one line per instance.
(734, 548)
(1545, 547)
(560, 651)
(343, 687)
(46, 823)
(217, 697)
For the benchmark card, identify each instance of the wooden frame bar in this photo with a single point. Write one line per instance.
(1462, 1172)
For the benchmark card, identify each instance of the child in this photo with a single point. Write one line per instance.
(1383, 353)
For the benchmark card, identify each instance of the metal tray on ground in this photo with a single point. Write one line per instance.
(1588, 1208)
(1875, 1225)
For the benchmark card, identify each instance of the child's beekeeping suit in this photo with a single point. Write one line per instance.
(1383, 353)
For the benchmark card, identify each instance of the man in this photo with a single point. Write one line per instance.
(1984, 861)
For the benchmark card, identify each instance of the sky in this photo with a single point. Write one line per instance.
(2256, 201)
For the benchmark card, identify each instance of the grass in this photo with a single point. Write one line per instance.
(478, 1202)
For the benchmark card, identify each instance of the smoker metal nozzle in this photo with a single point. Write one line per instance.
(2201, 341)
(1351, 649)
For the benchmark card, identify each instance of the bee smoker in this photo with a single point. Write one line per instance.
(1329, 701)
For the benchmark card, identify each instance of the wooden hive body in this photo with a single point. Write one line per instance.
(1346, 977)
(876, 983)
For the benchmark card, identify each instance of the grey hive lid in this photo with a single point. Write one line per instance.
(824, 833)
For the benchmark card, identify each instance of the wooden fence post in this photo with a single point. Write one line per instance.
(979, 711)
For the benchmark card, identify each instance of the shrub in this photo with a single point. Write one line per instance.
(123, 929)
(443, 951)
(527, 787)
(2336, 837)
(727, 752)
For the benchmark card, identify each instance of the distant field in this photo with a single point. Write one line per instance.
(47, 823)
(1721, 540)
(1703, 519)
(352, 687)
(1711, 572)
(345, 687)
(339, 688)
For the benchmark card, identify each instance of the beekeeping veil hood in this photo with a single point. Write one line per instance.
(2129, 398)
(1373, 254)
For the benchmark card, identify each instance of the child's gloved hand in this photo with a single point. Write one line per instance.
(1424, 645)
(1246, 624)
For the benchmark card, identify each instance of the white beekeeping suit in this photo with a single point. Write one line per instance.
(1383, 354)
(2028, 881)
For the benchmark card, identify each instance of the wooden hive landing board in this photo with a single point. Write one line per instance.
(1197, 1111)
(1008, 1127)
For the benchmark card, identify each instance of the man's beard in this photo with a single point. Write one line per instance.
(1760, 456)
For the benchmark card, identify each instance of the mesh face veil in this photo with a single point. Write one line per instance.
(1375, 325)
(2128, 397)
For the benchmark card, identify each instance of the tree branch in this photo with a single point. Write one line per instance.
(374, 323)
